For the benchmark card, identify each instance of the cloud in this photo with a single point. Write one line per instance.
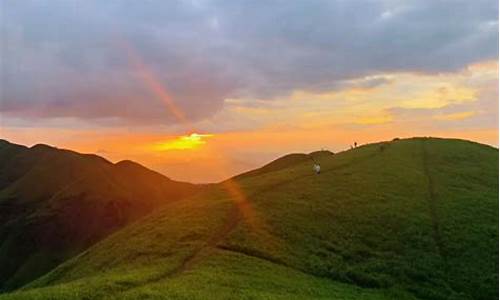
(404, 100)
(480, 111)
(455, 116)
(65, 59)
(374, 120)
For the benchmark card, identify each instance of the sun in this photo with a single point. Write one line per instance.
(185, 142)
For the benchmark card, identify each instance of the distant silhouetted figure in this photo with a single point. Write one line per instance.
(317, 168)
(355, 144)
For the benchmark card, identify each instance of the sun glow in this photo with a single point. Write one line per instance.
(186, 142)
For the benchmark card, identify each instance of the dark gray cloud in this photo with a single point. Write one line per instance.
(69, 58)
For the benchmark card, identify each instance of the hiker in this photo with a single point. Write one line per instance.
(317, 168)
(355, 144)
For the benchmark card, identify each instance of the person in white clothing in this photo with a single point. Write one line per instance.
(317, 168)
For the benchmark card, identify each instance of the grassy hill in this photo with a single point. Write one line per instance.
(55, 203)
(408, 219)
(284, 162)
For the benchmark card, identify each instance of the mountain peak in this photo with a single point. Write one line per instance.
(42, 147)
(127, 163)
(321, 152)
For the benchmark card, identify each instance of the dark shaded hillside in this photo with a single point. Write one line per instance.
(407, 219)
(55, 203)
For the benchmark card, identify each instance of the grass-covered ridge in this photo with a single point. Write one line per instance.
(408, 219)
(55, 203)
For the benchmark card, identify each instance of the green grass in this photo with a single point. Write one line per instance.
(417, 219)
(56, 203)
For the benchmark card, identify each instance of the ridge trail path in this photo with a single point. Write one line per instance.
(233, 218)
(433, 211)
(432, 201)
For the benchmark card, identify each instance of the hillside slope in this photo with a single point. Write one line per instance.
(409, 219)
(285, 162)
(55, 203)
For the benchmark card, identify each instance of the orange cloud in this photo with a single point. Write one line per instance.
(374, 119)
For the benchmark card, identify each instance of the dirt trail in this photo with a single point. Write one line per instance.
(436, 227)
(233, 218)
(432, 200)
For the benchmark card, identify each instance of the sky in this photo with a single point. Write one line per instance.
(203, 90)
